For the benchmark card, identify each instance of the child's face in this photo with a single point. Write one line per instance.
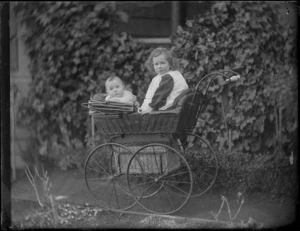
(115, 88)
(161, 65)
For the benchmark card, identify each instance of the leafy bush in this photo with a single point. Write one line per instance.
(260, 111)
(73, 48)
(273, 175)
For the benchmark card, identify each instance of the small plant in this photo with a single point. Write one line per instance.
(36, 180)
(240, 201)
(56, 215)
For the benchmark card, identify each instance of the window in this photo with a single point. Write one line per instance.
(147, 19)
(154, 22)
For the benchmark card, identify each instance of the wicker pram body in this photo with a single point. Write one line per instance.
(181, 117)
(135, 123)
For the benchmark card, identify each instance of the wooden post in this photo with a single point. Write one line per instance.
(13, 137)
(5, 118)
(175, 17)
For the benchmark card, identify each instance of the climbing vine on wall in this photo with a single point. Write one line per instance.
(73, 48)
(247, 37)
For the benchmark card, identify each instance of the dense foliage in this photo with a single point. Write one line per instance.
(261, 110)
(73, 48)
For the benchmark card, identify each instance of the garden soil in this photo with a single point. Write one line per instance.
(69, 188)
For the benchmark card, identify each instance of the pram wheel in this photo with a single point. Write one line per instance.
(156, 175)
(202, 161)
(105, 176)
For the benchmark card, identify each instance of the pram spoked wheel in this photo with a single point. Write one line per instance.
(202, 161)
(159, 178)
(105, 176)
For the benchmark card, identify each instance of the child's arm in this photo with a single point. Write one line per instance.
(133, 99)
(162, 92)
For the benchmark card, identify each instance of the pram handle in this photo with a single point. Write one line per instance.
(233, 79)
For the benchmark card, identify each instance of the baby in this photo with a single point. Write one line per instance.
(116, 91)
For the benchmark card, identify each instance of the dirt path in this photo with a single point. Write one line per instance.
(71, 185)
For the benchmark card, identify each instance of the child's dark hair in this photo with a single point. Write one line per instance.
(173, 62)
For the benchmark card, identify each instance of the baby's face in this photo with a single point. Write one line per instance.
(115, 88)
(161, 64)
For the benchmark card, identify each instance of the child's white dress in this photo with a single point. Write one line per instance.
(163, 90)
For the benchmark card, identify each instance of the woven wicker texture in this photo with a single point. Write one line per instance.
(136, 124)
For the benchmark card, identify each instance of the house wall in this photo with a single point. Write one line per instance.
(20, 79)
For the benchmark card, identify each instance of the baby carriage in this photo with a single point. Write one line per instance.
(156, 161)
